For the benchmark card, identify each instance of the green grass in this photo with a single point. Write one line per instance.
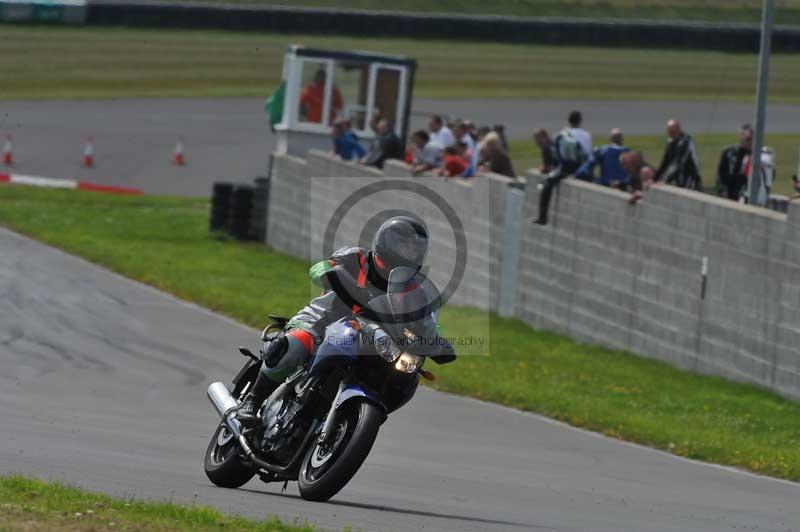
(29, 504)
(709, 146)
(787, 11)
(96, 62)
(164, 242)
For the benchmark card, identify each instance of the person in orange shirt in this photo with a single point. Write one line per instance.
(312, 100)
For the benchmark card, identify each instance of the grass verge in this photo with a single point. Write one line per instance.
(165, 242)
(787, 11)
(97, 62)
(30, 504)
(709, 146)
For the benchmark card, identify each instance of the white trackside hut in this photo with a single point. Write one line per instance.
(322, 86)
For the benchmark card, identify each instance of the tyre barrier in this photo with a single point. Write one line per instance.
(220, 206)
(258, 215)
(241, 207)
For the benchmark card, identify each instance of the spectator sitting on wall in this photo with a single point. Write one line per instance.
(426, 154)
(571, 156)
(387, 145)
(345, 142)
(611, 173)
(454, 164)
(547, 148)
(642, 175)
(492, 157)
(312, 100)
(734, 162)
(461, 135)
(680, 165)
(440, 133)
(574, 121)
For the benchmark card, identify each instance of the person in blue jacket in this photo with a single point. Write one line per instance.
(611, 172)
(345, 142)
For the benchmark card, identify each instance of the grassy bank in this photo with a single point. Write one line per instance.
(28, 504)
(787, 11)
(60, 62)
(709, 146)
(164, 242)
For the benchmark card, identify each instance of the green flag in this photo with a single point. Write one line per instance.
(274, 105)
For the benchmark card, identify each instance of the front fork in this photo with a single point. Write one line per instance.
(330, 421)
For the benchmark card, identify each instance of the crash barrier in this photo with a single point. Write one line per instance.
(544, 30)
(44, 11)
(707, 284)
(240, 210)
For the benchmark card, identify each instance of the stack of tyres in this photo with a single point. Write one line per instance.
(220, 206)
(241, 207)
(258, 216)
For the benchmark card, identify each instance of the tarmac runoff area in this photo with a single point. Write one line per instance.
(102, 383)
(228, 139)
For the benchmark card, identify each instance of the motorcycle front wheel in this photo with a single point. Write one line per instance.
(327, 469)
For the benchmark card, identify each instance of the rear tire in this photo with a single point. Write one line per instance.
(324, 472)
(223, 461)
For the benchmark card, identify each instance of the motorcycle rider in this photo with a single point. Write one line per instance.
(350, 278)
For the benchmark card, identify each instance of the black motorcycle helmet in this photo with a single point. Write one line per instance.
(400, 241)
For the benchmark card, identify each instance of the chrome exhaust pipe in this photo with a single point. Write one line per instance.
(221, 398)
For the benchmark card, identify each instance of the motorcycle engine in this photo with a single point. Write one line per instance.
(279, 428)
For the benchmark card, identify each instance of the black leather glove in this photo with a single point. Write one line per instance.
(275, 346)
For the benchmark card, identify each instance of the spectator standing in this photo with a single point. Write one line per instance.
(426, 154)
(547, 148)
(440, 133)
(734, 165)
(642, 175)
(345, 142)
(493, 157)
(575, 120)
(461, 135)
(680, 165)
(454, 164)
(387, 145)
(611, 172)
(312, 99)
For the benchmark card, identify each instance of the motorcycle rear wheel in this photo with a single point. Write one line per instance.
(223, 462)
(326, 470)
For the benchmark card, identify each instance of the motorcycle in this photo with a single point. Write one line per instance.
(319, 425)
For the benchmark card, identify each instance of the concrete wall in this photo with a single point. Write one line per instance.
(630, 277)
(625, 276)
(306, 193)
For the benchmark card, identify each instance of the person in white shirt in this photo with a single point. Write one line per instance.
(584, 137)
(427, 154)
(461, 135)
(440, 133)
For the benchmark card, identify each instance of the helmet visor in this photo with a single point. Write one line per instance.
(411, 248)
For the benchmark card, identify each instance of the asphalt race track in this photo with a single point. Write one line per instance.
(102, 383)
(228, 138)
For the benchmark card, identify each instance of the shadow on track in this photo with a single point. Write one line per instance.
(406, 511)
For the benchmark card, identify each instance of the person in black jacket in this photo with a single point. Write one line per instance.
(680, 165)
(387, 145)
(733, 165)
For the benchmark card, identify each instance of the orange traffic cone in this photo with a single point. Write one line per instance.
(88, 153)
(8, 155)
(177, 155)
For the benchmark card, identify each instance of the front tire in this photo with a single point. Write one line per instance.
(325, 471)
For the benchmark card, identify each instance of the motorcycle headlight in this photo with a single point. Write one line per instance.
(408, 363)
